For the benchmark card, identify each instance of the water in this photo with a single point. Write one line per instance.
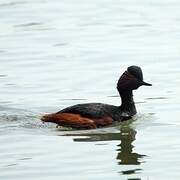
(59, 53)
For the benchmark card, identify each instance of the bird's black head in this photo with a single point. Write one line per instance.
(131, 79)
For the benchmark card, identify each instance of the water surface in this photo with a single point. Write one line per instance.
(59, 53)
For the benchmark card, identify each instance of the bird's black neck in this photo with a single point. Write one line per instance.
(127, 103)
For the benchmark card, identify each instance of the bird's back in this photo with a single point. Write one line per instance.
(91, 110)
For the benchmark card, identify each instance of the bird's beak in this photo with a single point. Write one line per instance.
(145, 84)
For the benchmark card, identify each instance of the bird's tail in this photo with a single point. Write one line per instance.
(69, 120)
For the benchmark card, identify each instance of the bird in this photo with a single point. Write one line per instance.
(97, 115)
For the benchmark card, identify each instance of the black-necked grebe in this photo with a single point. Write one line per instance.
(94, 115)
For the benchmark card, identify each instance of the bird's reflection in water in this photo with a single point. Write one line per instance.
(125, 155)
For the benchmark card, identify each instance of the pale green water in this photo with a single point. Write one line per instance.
(57, 53)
